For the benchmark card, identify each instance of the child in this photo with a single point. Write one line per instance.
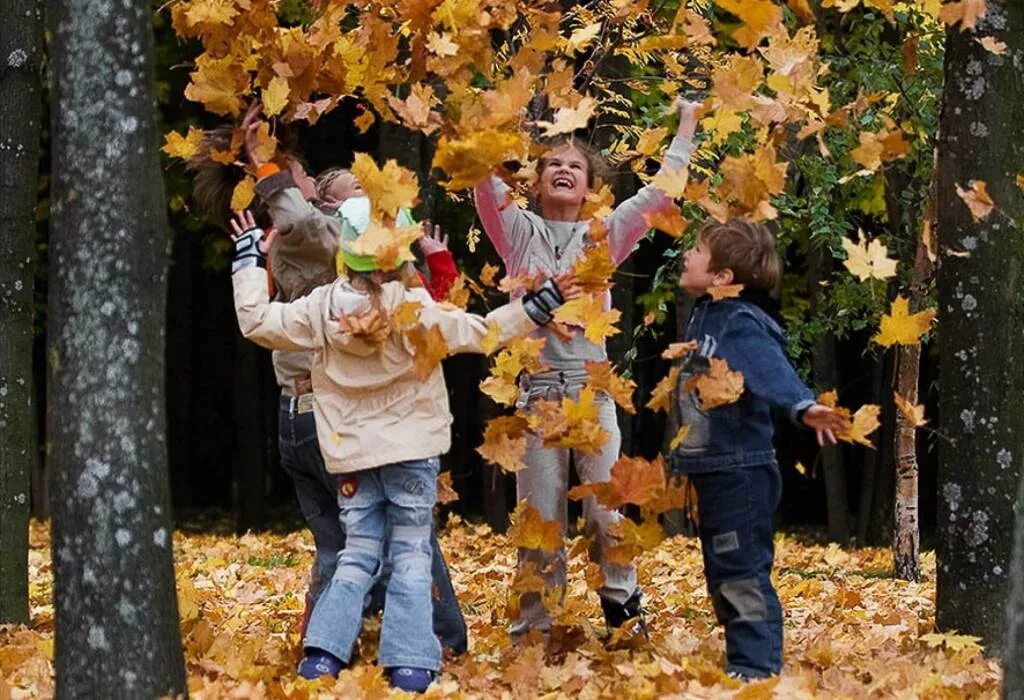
(550, 243)
(381, 428)
(728, 454)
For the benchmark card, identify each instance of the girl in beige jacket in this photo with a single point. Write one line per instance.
(382, 419)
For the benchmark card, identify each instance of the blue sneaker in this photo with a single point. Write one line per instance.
(411, 680)
(318, 662)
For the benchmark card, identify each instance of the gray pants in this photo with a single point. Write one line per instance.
(544, 483)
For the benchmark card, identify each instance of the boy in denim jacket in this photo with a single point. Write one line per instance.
(728, 453)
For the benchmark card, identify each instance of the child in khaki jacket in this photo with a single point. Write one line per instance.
(381, 425)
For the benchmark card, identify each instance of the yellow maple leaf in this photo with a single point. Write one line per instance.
(862, 423)
(406, 314)
(487, 273)
(492, 338)
(178, 146)
(530, 531)
(569, 119)
(501, 389)
(390, 188)
(718, 386)
(603, 378)
(429, 348)
(760, 18)
(275, 96)
(671, 182)
(364, 121)
(868, 259)
(878, 147)
(913, 413)
(661, 395)
(829, 398)
(966, 12)
(583, 37)
(504, 449)
(390, 246)
(416, 110)
(243, 194)
(679, 437)
(977, 199)
(649, 141)
(219, 84)
(903, 327)
(634, 539)
(597, 205)
(722, 123)
(594, 268)
(588, 312)
(470, 160)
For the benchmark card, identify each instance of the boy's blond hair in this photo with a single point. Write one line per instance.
(745, 247)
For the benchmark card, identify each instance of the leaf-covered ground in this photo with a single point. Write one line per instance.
(851, 631)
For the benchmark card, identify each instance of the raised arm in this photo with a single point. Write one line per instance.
(275, 325)
(627, 224)
(440, 261)
(504, 222)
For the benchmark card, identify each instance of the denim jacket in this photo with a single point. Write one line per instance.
(738, 434)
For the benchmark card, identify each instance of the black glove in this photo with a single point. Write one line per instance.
(541, 304)
(247, 250)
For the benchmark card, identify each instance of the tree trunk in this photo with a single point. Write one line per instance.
(982, 329)
(876, 510)
(116, 628)
(826, 376)
(1013, 656)
(907, 532)
(250, 454)
(20, 45)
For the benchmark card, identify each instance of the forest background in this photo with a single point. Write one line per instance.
(823, 118)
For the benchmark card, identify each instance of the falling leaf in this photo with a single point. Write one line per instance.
(726, 291)
(505, 442)
(390, 246)
(589, 313)
(828, 398)
(178, 146)
(390, 189)
(977, 199)
(492, 338)
(718, 386)
(868, 259)
(487, 274)
(275, 96)
(1020, 181)
(879, 147)
(583, 37)
(603, 378)
(671, 182)
(676, 350)
(468, 161)
(903, 327)
(966, 12)
(243, 194)
(800, 468)
(668, 219)
(364, 121)
(913, 413)
(502, 390)
(429, 348)
(594, 268)
(863, 423)
(992, 45)
(530, 531)
(661, 395)
(446, 493)
(570, 119)
(760, 18)
(406, 314)
(679, 437)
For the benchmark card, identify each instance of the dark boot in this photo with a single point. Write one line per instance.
(617, 615)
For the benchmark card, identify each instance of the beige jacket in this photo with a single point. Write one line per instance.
(370, 407)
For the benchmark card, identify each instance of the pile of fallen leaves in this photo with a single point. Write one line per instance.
(851, 630)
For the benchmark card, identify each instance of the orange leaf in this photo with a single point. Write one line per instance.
(977, 199)
(487, 274)
(429, 348)
(668, 220)
(390, 188)
(679, 437)
(603, 378)
(406, 314)
(728, 291)
(588, 312)
(178, 146)
(913, 413)
(718, 386)
(966, 12)
(661, 396)
(530, 531)
(676, 350)
(505, 442)
(446, 493)
(470, 160)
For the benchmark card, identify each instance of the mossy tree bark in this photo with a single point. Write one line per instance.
(21, 41)
(116, 629)
(981, 307)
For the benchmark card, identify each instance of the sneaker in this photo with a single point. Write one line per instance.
(318, 662)
(412, 680)
(617, 615)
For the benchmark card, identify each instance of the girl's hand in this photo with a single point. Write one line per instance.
(431, 241)
(688, 111)
(243, 222)
(825, 422)
(250, 125)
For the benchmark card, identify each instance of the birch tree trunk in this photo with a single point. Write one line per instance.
(21, 41)
(1013, 656)
(982, 325)
(116, 633)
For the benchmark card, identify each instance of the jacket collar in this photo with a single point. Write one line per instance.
(758, 297)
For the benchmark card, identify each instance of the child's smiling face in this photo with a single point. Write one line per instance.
(563, 179)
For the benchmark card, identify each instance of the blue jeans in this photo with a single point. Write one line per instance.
(737, 507)
(385, 509)
(317, 494)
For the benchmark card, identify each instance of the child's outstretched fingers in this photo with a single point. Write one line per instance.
(431, 241)
(242, 221)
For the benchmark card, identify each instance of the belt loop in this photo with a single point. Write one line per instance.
(292, 405)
